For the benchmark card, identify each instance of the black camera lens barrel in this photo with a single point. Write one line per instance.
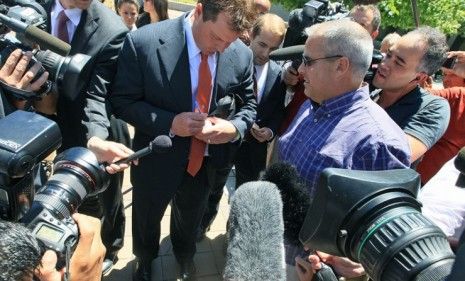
(401, 244)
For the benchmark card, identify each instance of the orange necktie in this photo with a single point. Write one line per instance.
(203, 101)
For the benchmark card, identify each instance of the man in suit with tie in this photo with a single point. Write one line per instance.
(267, 35)
(92, 29)
(170, 76)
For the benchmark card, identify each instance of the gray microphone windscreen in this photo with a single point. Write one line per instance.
(256, 250)
(161, 144)
(288, 53)
(47, 41)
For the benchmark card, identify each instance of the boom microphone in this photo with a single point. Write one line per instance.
(296, 199)
(160, 144)
(288, 53)
(255, 249)
(36, 35)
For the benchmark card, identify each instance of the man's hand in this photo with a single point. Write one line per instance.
(459, 67)
(261, 134)
(15, 73)
(188, 124)
(290, 76)
(109, 152)
(304, 269)
(343, 266)
(86, 261)
(217, 131)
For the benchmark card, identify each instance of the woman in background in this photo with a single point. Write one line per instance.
(154, 11)
(129, 11)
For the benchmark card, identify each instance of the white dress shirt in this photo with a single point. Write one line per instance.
(74, 16)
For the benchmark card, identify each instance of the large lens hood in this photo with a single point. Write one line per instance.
(345, 198)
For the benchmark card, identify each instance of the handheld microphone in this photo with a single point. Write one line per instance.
(34, 34)
(255, 250)
(459, 163)
(160, 144)
(295, 197)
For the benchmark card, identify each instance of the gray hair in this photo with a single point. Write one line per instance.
(346, 38)
(435, 50)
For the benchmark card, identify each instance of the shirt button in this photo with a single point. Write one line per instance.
(315, 120)
(329, 115)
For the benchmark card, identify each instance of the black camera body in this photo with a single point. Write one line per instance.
(46, 211)
(314, 11)
(28, 19)
(373, 217)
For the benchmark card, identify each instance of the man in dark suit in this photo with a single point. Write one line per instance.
(267, 35)
(170, 76)
(92, 29)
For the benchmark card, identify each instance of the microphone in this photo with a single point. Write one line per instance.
(34, 34)
(288, 53)
(459, 163)
(161, 144)
(255, 249)
(295, 197)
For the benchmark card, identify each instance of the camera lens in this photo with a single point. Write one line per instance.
(373, 217)
(77, 174)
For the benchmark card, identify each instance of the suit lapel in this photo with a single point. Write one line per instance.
(174, 59)
(271, 76)
(224, 61)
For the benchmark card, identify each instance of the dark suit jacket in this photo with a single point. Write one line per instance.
(100, 34)
(270, 109)
(153, 84)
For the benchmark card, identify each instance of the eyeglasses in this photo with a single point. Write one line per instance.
(307, 61)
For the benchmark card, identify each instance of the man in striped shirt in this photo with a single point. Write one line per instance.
(339, 125)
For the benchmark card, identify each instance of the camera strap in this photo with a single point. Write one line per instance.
(67, 262)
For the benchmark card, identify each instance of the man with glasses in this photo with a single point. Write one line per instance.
(408, 64)
(339, 125)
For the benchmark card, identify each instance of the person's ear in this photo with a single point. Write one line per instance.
(421, 78)
(343, 65)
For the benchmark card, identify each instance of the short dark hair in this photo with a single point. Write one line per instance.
(435, 50)
(133, 2)
(20, 252)
(242, 12)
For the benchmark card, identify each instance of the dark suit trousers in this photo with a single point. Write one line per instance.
(188, 205)
(250, 160)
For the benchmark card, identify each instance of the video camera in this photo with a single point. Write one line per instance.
(28, 20)
(47, 212)
(372, 217)
(314, 11)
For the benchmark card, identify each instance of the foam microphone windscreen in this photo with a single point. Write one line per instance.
(255, 249)
(288, 53)
(161, 144)
(296, 199)
(47, 41)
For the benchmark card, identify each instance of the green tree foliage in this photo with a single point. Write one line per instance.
(447, 15)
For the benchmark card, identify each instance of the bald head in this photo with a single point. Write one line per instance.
(348, 39)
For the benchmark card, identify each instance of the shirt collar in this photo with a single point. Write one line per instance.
(340, 103)
(74, 14)
(192, 47)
